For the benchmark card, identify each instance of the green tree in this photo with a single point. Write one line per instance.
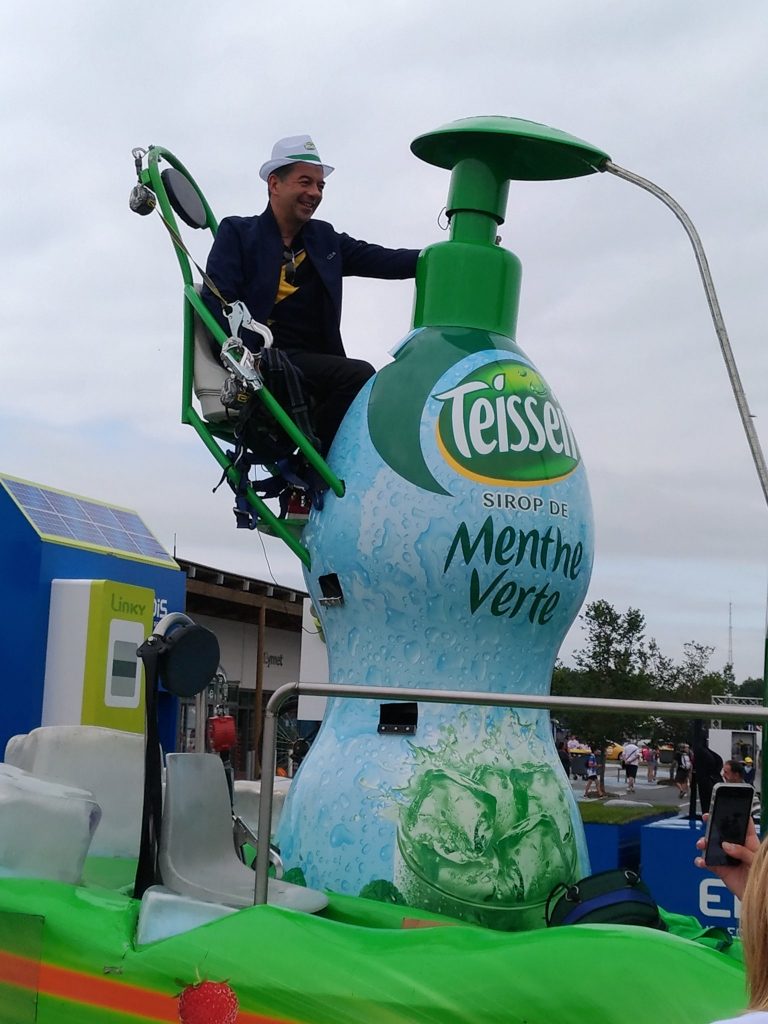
(618, 661)
(663, 677)
(612, 664)
(751, 687)
(691, 682)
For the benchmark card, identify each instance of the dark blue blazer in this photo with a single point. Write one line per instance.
(247, 255)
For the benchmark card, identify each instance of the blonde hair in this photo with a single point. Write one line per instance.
(754, 930)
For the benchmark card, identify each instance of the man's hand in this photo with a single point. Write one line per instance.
(734, 876)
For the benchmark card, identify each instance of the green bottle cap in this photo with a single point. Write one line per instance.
(469, 281)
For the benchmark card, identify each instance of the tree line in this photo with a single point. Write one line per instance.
(618, 661)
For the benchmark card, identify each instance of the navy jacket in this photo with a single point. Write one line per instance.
(247, 255)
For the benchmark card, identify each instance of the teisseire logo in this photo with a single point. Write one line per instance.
(503, 425)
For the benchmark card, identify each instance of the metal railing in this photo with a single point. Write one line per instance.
(472, 697)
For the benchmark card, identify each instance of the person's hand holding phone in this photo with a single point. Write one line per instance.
(734, 876)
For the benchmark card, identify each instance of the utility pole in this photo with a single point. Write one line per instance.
(730, 633)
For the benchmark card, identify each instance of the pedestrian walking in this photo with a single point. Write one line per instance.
(682, 770)
(630, 758)
(652, 762)
(590, 767)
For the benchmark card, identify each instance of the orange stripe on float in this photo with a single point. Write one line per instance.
(18, 970)
(107, 993)
(246, 1017)
(103, 993)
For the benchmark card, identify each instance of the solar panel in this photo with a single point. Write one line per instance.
(119, 539)
(150, 547)
(28, 495)
(49, 522)
(89, 532)
(101, 514)
(131, 522)
(64, 504)
(84, 523)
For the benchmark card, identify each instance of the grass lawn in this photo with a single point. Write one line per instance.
(598, 814)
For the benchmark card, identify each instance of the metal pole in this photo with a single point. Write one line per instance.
(268, 760)
(541, 702)
(258, 696)
(473, 697)
(201, 715)
(714, 307)
(762, 766)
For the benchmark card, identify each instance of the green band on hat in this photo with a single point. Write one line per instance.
(305, 158)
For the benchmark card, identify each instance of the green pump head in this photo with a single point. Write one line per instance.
(470, 281)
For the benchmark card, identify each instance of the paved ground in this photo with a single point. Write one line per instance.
(663, 791)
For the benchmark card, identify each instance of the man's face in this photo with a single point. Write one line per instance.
(729, 775)
(298, 195)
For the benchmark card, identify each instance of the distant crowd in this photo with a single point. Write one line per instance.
(582, 760)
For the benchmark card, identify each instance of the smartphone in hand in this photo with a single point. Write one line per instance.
(729, 815)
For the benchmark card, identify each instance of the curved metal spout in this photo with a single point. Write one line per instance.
(714, 307)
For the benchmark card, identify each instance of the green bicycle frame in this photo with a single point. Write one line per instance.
(211, 434)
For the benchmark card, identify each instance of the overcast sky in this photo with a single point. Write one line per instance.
(612, 308)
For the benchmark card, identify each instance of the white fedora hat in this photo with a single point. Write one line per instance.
(295, 149)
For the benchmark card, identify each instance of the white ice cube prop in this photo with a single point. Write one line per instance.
(164, 913)
(108, 763)
(45, 827)
(17, 752)
(248, 795)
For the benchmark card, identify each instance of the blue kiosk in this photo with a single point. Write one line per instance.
(667, 851)
(81, 584)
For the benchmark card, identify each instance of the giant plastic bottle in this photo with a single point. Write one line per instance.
(457, 559)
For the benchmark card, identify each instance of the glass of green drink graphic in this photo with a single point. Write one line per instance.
(486, 847)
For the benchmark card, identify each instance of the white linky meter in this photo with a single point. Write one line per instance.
(93, 674)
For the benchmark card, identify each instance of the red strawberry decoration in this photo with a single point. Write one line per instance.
(208, 1002)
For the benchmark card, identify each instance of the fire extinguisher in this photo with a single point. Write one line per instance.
(222, 735)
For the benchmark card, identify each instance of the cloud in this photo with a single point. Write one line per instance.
(612, 309)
